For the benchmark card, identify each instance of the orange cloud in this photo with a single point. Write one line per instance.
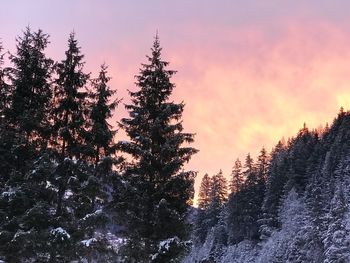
(248, 89)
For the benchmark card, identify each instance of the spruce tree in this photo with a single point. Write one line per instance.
(71, 109)
(218, 197)
(70, 112)
(212, 197)
(31, 96)
(236, 181)
(300, 152)
(102, 108)
(239, 204)
(26, 199)
(202, 220)
(250, 210)
(204, 194)
(162, 189)
(77, 214)
(101, 147)
(249, 172)
(245, 206)
(218, 189)
(276, 179)
(262, 166)
(234, 217)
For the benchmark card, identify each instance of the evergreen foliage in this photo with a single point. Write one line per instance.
(70, 103)
(54, 194)
(236, 181)
(204, 194)
(161, 189)
(204, 200)
(30, 78)
(102, 108)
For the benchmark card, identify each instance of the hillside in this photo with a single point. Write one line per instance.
(303, 214)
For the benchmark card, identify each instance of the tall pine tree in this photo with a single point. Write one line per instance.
(30, 77)
(27, 198)
(102, 108)
(276, 179)
(162, 189)
(236, 181)
(218, 197)
(204, 192)
(202, 220)
(71, 109)
(212, 197)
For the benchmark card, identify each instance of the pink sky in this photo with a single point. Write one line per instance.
(249, 72)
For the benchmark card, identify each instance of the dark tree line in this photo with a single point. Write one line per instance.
(291, 205)
(66, 193)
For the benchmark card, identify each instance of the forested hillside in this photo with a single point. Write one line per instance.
(288, 206)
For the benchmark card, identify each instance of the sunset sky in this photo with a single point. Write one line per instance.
(249, 71)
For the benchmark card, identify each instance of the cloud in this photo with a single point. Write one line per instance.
(247, 88)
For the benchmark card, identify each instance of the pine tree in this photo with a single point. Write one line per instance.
(71, 109)
(236, 182)
(101, 132)
(212, 197)
(258, 187)
(25, 199)
(218, 198)
(249, 172)
(70, 112)
(100, 141)
(31, 96)
(262, 166)
(218, 189)
(77, 215)
(202, 220)
(300, 152)
(253, 193)
(235, 210)
(238, 210)
(276, 179)
(204, 193)
(156, 174)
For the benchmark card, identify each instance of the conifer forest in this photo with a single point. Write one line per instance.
(80, 184)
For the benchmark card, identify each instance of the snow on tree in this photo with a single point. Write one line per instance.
(336, 241)
(156, 145)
